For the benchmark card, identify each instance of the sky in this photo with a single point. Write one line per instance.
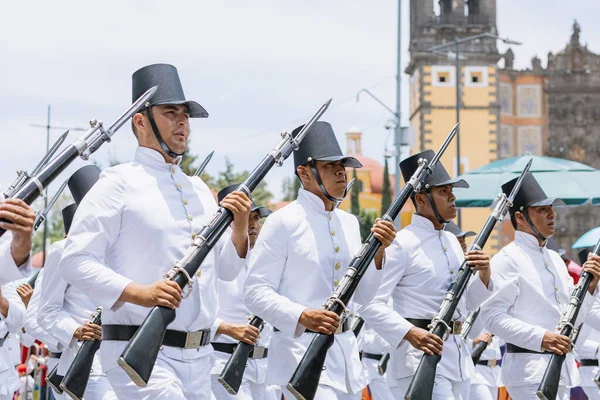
(258, 67)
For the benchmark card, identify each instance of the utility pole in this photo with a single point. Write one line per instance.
(398, 139)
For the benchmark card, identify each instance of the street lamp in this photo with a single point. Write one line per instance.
(457, 57)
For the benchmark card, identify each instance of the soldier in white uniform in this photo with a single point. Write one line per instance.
(231, 325)
(372, 349)
(300, 257)
(15, 244)
(421, 263)
(65, 311)
(132, 227)
(534, 288)
(12, 314)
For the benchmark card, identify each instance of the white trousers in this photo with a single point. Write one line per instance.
(248, 390)
(527, 392)
(592, 392)
(380, 390)
(483, 392)
(98, 388)
(326, 393)
(444, 389)
(170, 380)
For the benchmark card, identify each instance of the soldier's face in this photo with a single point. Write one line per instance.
(333, 175)
(445, 201)
(253, 227)
(173, 122)
(543, 218)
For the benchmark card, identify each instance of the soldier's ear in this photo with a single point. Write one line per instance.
(304, 174)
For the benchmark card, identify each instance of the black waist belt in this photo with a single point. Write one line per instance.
(511, 348)
(455, 326)
(257, 353)
(186, 340)
(55, 355)
(488, 363)
(370, 356)
(589, 363)
(345, 326)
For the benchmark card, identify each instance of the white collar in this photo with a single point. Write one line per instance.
(152, 158)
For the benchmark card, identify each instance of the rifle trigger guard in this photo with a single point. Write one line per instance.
(190, 282)
(441, 321)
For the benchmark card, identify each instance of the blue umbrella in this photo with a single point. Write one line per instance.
(588, 239)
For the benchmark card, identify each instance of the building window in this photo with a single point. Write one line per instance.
(476, 76)
(529, 140)
(442, 76)
(506, 142)
(529, 101)
(506, 97)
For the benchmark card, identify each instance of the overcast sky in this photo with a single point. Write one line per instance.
(257, 66)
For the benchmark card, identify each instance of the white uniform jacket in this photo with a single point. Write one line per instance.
(9, 271)
(132, 226)
(301, 255)
(31, 325)
(421, 263)
(534, 288)
(10, 324)
(586, 348)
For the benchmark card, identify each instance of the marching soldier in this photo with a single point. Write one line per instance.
(231, 325)
(64, 311)
(131, 228)
(15, 244)
(299, 259)
(533, 291)
(421, 263)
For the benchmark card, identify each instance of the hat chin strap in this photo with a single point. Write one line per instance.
(535, 230)
(434, 208)
(337, 200)
(161, 142)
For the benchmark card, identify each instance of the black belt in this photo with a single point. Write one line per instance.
(345, 326)
(511, 348)
(186, 340)
(370, 356)
(257, 352)
(55, 355)
(488, 363)
(456, 326)
(589, 363)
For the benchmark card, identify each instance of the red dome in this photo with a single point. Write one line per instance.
(376, 169)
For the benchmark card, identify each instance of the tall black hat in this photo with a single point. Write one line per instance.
(82, 181)
(530, 194)
(583, 255)
(68, 213)
(439, 177)
(169, 91)
(262, 211)
(456, 231)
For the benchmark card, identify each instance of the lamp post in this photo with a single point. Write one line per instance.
(456, 45)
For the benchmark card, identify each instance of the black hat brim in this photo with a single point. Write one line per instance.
(263, 212)
(456, 183)
(552, 201)
(349, 162)
(466, 234)
(195, 109)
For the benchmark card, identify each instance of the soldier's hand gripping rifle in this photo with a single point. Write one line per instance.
(33, 186)
(548, 388)
(139, 356)
(421, 386)
(305, 380)
(78, 374)
(233, 372)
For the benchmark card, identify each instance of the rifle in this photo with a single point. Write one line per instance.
(233, 372)
(304, 382)
(382, 366)
(479, 347)
(54, 380)
(204, 164)
(76, 379)
(22, 176)
(31, 187)
(548, 388)
(41, 217)
(421, 386)
(357, 325)
(139, 356)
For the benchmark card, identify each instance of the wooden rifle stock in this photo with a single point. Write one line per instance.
(233, 372)
(139, 356)
(305, 380)
(54, 380)
(76, 379)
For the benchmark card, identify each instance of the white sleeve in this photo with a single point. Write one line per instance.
(9, 271)
(230, 263)
(371, 280)
(95, 228)
(16, 309)
(379, 313)
(31, 325)
(267, 262)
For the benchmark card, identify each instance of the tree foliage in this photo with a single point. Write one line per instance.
(386, 191)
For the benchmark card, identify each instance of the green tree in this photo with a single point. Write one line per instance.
(355, 192)
(386, 192)
(56, 230)
(291, 185)
(262, 196)
(366, 221)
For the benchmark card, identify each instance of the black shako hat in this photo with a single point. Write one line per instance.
(439, 177)
(455, 230)
(262, 211)
(82, 181)
(169, 91)
(68, 213)
(530, 194)
(583, 255)
(321, 144)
